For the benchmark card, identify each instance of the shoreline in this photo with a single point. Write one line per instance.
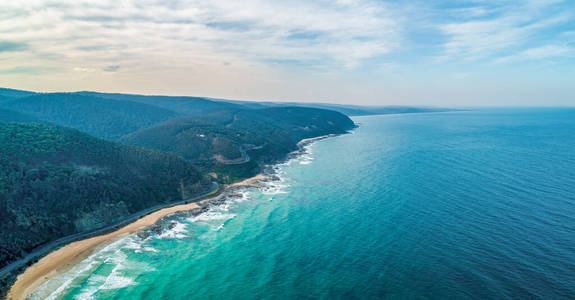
(251, 182)
(307, 141)
(63, 259)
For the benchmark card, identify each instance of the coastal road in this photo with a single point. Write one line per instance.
(46, 248)
(245, 157)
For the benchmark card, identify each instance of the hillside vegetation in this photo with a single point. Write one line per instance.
(12, 93)
(105, 118)
(57, 177)
(190, 106)
(193, 140)
(346, 109)
(237, 143)
(56, 181)
(10, 116)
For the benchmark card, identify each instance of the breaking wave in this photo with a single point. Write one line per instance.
(108, 267)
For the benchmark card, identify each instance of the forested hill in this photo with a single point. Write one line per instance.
(113, 116)
(12, 93)
(189, 106)
(237, 143)
(56, 181)
(186, 105)
(9, 116)
(100, 117)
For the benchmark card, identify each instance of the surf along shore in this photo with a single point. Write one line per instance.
(63, 259)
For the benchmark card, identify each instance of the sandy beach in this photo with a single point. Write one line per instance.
(63, 259)
(255, 181)
(317, 138)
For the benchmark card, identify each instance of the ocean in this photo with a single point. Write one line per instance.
(470, 204)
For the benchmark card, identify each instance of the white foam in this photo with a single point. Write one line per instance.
(116, 281)
(68, 278)
(244, 196)
(276, 187)
(224, 206)
(110, 254)
(113, 254)
(149, 249)
(275, 190)
(94, 282)
(113, 281)
(137, 244)
(176, 232)
(60, 283)
(133, 244)
(307, 157)
(211, 216)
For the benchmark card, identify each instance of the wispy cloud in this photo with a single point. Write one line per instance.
(339, 34)
(23, 70)
(340, 50)
(499, 28)
(539, 53)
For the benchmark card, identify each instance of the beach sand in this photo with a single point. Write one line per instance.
(63, 259)
(317, 138)
(255, 181)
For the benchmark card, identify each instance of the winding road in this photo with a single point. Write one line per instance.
(245, 157)
(49, 247)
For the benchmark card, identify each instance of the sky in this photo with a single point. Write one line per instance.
(432, 53)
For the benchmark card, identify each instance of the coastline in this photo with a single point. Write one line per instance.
(252, 181)
(313, 139)
(63, 259)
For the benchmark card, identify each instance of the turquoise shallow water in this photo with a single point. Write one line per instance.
(474, 204)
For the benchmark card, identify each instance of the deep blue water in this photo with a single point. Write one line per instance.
(477, 204)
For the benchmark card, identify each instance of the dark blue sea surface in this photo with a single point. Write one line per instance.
(475, 204)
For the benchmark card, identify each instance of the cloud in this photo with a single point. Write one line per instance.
(84, 69)
(21, 70)
(496, 29)
(339, 34)
(341, 50)
(111, 68)
(6, 46)
(539, 53)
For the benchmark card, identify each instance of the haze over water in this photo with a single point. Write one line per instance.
(448, 205)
